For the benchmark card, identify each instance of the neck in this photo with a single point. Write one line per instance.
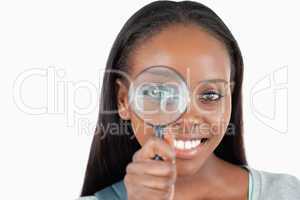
(229, 180)
(210, 175)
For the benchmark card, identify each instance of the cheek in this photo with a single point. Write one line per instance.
(219, 120)
(141, 131)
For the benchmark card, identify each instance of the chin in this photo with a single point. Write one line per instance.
(187, 168)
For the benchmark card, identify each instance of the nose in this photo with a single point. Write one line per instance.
(190, 119)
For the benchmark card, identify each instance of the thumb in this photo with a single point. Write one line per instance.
(169, 137)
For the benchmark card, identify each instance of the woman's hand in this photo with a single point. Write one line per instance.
(151, 179)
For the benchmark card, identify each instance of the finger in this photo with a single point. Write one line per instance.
(170, 139)
(155, 146)
(154, 182)
(152, 167)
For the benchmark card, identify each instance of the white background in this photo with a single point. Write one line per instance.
(44, 155)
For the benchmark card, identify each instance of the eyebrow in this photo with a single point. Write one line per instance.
(159, 73)
(164, 73)
(216, 80)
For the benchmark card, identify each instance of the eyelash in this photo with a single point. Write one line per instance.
(209, 97)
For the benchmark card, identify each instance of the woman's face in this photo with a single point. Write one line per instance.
(204, 63)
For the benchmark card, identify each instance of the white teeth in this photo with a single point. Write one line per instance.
(187, 144)
(194, 143)
(180, 144)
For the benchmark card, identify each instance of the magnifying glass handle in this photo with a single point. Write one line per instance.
(158, 133)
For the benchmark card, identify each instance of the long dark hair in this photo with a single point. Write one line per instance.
(110, 153)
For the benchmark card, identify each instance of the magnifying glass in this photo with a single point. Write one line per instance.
(159, 96)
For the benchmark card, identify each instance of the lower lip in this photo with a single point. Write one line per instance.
(189, 153)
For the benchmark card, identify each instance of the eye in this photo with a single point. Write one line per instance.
(153, 92)
(210, 96)
(160, 92)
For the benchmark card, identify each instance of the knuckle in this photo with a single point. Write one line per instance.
(127, 179)
(135, 156)
(169, 169)
(166, 196)
(165, 185)
(129, 168)
(151, 142)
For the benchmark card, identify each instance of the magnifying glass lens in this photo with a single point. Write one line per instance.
(159, 95)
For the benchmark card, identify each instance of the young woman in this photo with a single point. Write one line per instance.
(191, 39)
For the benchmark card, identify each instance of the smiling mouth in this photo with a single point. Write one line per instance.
(189, 144)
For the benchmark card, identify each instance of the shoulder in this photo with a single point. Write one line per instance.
(267, 185)
(116, 191)
(284, 183)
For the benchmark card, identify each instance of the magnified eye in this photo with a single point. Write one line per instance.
(159, 92)
(210, 96)
(152, 92)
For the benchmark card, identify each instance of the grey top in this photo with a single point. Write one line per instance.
(262, 186)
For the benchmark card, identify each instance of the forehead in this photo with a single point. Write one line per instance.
(190, 50)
